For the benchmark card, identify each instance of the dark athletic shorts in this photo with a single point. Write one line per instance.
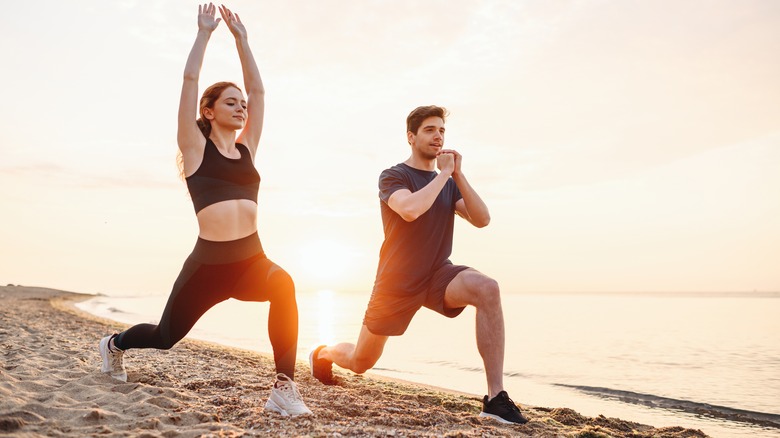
(390, 312)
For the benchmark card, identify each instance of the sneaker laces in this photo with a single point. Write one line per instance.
(116, 359)
(505, 400)
(289, 389)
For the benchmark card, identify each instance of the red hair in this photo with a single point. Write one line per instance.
(207, 100)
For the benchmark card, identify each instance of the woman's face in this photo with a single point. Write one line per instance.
(229, 110)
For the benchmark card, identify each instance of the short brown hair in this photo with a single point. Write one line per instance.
(416, 117)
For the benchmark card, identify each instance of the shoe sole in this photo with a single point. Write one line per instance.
(311, 360)
(271, 405)
(497, 418)
(103, 349)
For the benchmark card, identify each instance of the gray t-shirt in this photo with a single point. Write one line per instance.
(411, 251)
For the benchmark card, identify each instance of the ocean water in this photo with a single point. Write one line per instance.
(704, 361)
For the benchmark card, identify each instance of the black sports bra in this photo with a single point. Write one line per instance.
(220, 178)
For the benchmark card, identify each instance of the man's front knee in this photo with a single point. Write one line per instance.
(489, 292)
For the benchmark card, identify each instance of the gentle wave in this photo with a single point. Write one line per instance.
(480, 370)
(704, 409)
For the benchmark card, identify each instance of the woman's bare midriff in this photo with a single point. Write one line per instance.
(228, 220)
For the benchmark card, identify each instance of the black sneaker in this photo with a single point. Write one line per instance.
(503, 409)
(321, 369)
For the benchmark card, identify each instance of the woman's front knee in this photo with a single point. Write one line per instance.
(281, 284)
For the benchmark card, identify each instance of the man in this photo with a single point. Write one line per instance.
(418, 212)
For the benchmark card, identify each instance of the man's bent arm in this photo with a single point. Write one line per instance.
(410, 205)
(471, 207)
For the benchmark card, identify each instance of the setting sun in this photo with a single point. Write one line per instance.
(327, 260)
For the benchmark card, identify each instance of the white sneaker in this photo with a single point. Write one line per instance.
(285, 398)
(112, 360)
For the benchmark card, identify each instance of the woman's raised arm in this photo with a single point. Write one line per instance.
(253, 84)
(189, 135)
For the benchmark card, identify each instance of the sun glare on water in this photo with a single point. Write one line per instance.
(326, 269)
(326, 316)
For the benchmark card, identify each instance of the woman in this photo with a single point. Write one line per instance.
(228, 260)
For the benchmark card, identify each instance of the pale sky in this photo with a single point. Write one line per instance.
(620, 145)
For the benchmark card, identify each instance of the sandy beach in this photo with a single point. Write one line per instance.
(51, 385)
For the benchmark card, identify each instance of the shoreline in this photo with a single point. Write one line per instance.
(69, 305)
(51, 384)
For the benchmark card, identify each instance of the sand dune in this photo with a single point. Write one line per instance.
(51, 385)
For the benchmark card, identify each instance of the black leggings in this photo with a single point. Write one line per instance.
(214, 272)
